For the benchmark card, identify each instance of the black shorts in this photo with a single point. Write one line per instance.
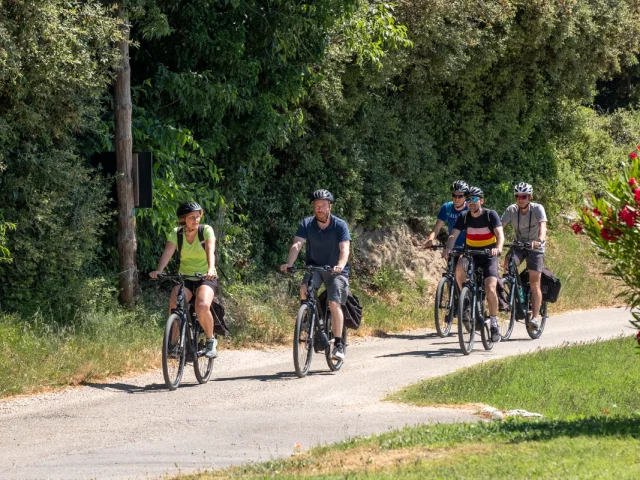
(489, 265)
(193, 285)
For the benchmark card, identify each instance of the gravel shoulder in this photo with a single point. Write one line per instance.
(254, 409)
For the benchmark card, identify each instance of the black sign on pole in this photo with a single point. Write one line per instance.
(142, 175)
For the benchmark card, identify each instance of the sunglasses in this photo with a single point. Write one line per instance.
(457, 196)
(473, 199)
(522, 197)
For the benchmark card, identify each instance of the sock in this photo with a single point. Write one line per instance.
(494, 321)
(337, 341)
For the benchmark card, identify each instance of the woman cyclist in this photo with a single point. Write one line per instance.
(194, 258)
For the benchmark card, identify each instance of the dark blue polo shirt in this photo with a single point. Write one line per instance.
(323, 246)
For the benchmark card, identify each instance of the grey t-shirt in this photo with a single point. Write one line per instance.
(527, 226)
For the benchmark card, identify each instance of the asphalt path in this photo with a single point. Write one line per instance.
(254, 408)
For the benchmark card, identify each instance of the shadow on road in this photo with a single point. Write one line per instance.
(406, 336)
(441, 352)
(126, 388)
(270, 378)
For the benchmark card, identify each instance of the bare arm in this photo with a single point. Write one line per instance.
(434, 233)
(451, 241)
(210, 249)
(542, 236)
(169, 250)
(499, 233)
(294, 251)
(344, 256)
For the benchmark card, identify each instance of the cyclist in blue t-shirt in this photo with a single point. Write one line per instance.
(449, 212)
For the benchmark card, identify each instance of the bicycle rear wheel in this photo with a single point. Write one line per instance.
(535, 334)
(444, 306)
(466, 328)
(335, 363)
(173, 352)
(202, 366)
(507, 314)
(302, 347)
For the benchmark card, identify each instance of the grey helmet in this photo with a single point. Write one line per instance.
(188, 207)
(475, 192)
(322, 194)
(523, 187)
(460, 186)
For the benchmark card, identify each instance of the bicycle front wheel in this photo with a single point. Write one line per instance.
(507, 313)
(466, 328)
(173, 352)
(535, 333)
(302, 347)
(202, 366)
(444, 306)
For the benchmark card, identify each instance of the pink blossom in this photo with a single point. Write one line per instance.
(633, 155)
(576, 227)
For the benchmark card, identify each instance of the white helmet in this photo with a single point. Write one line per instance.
(523, 188)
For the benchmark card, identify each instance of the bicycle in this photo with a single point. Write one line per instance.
(313, 330)
(519, 305)
(447, 293)
(184, 339)
(471, 312)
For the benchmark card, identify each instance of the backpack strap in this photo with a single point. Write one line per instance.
(180, 236)
(487, 215)
(201, 234)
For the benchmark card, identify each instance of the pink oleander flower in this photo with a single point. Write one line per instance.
(633, 155)
(638, 337)
(628, 216)
(576, 227)
(632, 182)
(610, 234)
(597, 212)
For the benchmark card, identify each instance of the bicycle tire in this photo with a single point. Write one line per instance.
(302, 348)
(173, 353)
(485, 335)
(466, 329)
(507, 318)
(535, 334)
(444, 316)
(335, 364)
(202, 366)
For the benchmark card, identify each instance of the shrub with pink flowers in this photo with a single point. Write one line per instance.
(613, 224)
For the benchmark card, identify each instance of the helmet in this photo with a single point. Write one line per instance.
(322, 194)
(475, 192)
(459, 186)
(523, 188)
(188, 207)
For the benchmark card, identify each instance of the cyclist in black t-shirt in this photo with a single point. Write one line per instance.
(484, 232)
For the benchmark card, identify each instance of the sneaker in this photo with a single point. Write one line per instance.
(210, 350)
(495, 335)
(533, 324)
(338, 353)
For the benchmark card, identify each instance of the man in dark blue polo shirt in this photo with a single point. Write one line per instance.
(327, 243)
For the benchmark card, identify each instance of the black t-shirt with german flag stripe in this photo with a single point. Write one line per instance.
(479, 229)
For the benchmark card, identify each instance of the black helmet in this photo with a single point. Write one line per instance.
(322, 194)
(459, 186)
(188, 207)
(475, 192)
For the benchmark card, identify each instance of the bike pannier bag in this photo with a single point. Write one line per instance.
(550, 286)
(351, 310)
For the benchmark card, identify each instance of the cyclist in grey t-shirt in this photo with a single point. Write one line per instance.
(529, 221)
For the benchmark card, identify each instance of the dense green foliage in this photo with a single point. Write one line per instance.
(248, 106)
(55, 61)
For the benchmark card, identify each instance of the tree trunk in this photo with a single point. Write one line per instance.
(124, 183)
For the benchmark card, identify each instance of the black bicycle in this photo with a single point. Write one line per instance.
(471, 312)
(184, 339)
(313, 330)
(446, 295)
(517, 293)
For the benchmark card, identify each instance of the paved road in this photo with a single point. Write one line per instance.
(255, 409)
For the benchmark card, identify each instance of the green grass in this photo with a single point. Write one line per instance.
(574, 381)
(35, 356)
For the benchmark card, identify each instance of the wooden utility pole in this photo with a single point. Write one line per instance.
(124, 182)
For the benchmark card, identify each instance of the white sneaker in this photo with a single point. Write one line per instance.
(533, 324)
(210, 349)
(338, 353)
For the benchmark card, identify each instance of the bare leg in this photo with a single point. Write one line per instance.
(204, 297)
(337, 318)
(536, 293)
(490, 284)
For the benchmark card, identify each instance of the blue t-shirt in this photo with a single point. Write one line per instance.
(449, 214)
(323, 246)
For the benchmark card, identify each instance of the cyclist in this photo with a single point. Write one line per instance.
(194, 258)
(484, 231)
(450, 211)
(327, 243)
(529, 221)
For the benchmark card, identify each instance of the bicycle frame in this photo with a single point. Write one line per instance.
(186, 311)
(476, 286)
(514, 277)
(318, 322)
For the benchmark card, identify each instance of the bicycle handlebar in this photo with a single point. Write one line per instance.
(311, 268)
(174, 276)
(525, 245)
